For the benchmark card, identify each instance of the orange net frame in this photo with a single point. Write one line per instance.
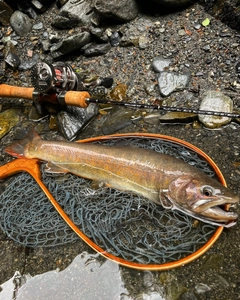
(122, 227)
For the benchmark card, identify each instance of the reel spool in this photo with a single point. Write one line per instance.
(56, 77)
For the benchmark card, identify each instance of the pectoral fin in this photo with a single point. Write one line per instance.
(96, 184)
(164, 200)
(52, 168)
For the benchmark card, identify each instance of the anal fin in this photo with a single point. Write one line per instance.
(52, 168)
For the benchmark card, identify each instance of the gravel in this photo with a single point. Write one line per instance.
(210, 55)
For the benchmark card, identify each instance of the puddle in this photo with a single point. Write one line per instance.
(87, 277)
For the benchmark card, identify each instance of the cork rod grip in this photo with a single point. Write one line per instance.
(76, 98)
(16, 91)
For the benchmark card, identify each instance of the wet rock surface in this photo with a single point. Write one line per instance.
(215, 101)
(210, 54)
(171, 82)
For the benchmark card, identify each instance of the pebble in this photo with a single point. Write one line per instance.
(115, 39)
(181, 32)
(159, 63)
(38, 26)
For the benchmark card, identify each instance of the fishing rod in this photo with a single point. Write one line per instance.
(164, 108)
(58, 83)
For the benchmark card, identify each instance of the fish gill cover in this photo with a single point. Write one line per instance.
(123, 224)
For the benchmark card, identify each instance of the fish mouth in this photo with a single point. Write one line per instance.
(213, 210)
(216, 210)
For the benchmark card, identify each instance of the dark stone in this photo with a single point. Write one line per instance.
(95, 50)
(72, 121)
(73, 43)
(6, 12)
(27, 65)
(225, 10)
(13, 60)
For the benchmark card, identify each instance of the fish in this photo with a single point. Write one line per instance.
(161, 178)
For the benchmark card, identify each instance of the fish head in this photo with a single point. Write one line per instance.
(201, 197)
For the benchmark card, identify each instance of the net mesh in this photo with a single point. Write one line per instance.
(121, 223)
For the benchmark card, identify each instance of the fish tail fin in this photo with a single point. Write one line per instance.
(16, 149)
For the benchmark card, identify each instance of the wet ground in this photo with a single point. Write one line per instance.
(215, 275)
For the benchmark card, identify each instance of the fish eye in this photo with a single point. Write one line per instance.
(207, 191)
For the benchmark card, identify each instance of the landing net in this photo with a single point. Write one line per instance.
(125, 225)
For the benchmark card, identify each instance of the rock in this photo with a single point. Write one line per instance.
(135, 34)
(27, 65)
(124, 11)
(188, 295)
(75, 13)
(38, 26)
(173, 3)
(119, 92)
(13, 60)
(8, 119)
(73, 120)
(143, 42)
(21, 23)
(215, 101)
(178, 117)
(98, 34)
(227, 11)
(60, 3)
(159, 63)
(115, 39)
(95, 50)
(119, 118)
(5, 17)
(202, 288)
(68, 45)
(152, 118)
(170, 82)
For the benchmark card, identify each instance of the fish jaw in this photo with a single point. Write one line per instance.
(205, 202)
